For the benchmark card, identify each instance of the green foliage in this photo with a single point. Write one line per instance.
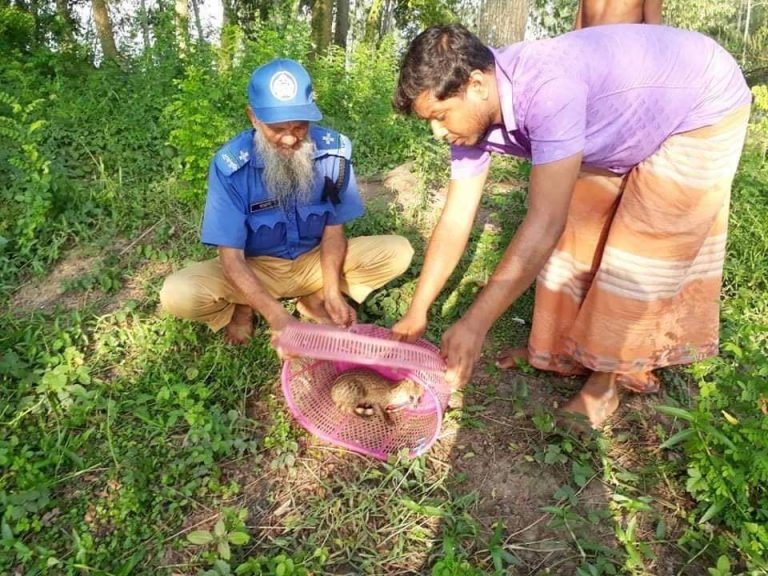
(159, 426)
(28, 197)
(553, 17)
(16, 28)
(759, 125)
(229, 530)
(356, 100)
(726, 432)
(298, 564)
(200, 125)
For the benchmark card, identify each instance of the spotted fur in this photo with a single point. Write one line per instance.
(367, 393)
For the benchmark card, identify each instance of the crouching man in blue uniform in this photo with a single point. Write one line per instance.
(278, 198)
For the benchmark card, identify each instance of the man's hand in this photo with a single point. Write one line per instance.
(461, 347)
(279, 320)
(277, 325)
(410, 327)
(339, 310)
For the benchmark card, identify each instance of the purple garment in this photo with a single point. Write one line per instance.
(614, 93)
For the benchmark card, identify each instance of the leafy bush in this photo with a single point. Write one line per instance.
(16, 28)
(727, 436)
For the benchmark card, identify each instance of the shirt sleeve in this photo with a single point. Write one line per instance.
(468, 161)
(351, 205)
(556, 120)
(224, 219)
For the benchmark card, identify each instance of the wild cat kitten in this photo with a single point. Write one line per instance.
(366, 393)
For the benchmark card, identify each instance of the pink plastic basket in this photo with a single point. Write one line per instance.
(320, 353)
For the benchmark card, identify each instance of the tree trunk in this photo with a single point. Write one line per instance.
(229, 35)
(104, 29)
(34, 10)
(746, 33)
(372, 21)
(181, 16)
(387, 20)
(322, 22)
(502, 22)
(198, 22)
(342, 23)
(145, 27)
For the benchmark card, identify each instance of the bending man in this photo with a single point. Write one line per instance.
(627, 200)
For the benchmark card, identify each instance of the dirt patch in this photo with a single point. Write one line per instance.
(45, 293)
(52, 291)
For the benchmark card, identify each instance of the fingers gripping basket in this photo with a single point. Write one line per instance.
(321, 353)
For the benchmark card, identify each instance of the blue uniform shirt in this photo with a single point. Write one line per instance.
(239, 212)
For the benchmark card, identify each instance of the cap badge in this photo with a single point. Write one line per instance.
(283, 85)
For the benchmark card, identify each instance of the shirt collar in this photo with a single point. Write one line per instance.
(504, 83)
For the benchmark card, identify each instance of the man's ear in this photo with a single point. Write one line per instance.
(478, 84)
(252, 117)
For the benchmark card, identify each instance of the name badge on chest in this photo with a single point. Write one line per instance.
(263, 205)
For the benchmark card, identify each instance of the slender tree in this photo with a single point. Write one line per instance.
(322, 25)
(342, 23)
(746, 33)
(181, 17)
(372, 20)
(144, 20)
(104, 29)
(198, 21)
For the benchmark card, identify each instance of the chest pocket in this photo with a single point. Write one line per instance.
(267, 229)
(313, 218)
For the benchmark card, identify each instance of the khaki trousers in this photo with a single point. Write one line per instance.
(200, 292)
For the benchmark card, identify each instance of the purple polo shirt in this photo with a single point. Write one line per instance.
(614, 93)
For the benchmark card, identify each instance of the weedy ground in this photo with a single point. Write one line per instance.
(148, 446)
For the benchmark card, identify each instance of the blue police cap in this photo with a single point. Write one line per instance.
(281, 91)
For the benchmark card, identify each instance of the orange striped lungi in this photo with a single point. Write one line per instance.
(634, 282)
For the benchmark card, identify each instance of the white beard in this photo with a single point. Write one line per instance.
(287, 177)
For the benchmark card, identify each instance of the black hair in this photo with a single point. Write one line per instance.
(439, 60)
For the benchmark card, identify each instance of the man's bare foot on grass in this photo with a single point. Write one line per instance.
(517, 358)
(239, 331)
(512, 358)
(597, 400)
(313, 308)
(640, 382)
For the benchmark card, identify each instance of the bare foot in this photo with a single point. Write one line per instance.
(597, 400)
(640, 382)
(312, 307)
(240, 329)
(516, 358)
(512, 358)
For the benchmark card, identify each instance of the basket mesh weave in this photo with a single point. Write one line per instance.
(321, 353)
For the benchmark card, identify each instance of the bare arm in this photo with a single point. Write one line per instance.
(446, 246)
(238, 273)
(333, 250)
(549, 196)
(652, 12)
(579, 16)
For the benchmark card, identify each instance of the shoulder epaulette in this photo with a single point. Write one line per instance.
(235, 154)
(330, 143)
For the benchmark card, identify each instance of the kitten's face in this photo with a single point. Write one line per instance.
(410, 392)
